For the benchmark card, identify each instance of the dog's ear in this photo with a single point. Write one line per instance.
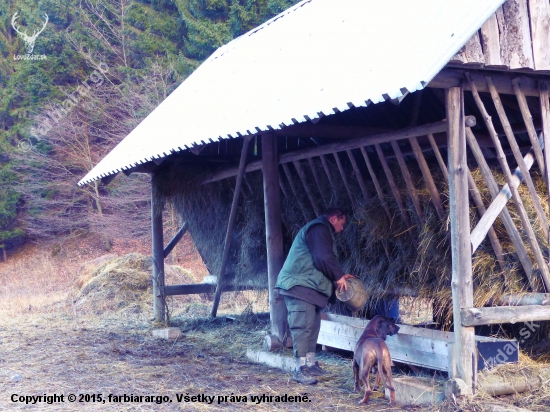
(382, 329)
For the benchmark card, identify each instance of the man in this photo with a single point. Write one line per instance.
(307, 282)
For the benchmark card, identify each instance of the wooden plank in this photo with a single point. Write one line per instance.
(378, 138)
(539, 12)
(357, 173)
(393, 187)
(525, 299)
(517, 153)
(200, 288)
(490, 41)
(376, 183)
(528, 120)
(545, 116)
(436, 199)
(515, 36)
(177, 237)
(503, 314)
(447, 78)
(230, 224)
(305, 212)
(303, 179)
(498, 203)
(471, 53)
(157, 243)
(317, 181)
(476, 196)
(273, 234)
(505, 215)
(345, 179)
(461, 284)
(409, 182)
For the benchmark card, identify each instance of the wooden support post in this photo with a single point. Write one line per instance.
(157, 241)
(517, 154)
(230, 223)
(505, 214)
(317, 181)
(409, 182)
(273, 235)
(528, 120)
(306, 187)
(545, 115)
(394, 188)
(436, 199)
(476, 197)
(357, 173)
(307, 215)
(461, 285)
(376, 183)
(345, 179)
(177, 237)
(535, 248)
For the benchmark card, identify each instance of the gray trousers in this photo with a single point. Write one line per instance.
(304, 320)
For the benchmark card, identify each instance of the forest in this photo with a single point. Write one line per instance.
(96, 69)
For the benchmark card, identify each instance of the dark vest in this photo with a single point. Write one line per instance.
(299, 268)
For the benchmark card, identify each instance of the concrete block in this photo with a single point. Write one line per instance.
(285, 363)
(167, 333)
(416, 391)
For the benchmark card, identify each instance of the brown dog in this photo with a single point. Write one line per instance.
(371, 350)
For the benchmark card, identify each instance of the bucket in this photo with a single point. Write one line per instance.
(355, 297)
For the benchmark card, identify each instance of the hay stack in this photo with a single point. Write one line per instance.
(120, 284)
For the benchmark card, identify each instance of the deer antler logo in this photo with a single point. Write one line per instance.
(29, 40)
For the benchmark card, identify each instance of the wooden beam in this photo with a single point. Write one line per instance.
(394, 188)
(535, 248)
(461, 284)
(505, 214)
(545, 115)
(525, 299)
(528, 120)
(434, 193)
(409, 182)
(230, 224)
(517, 154)
(273, 234)
(177, 237)
(440, 160)
(317, 181)
(503, 314)
(539, 13)
(296, 193)
(498, 203)
(345, 179)
(358, 176)
(200, 288)
(476, 197)
(303, 179)
(503, 81)
(326, 168)
(157, 243)
(386, 137)
(376, 183)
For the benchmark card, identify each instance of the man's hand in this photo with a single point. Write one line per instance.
(342, 284)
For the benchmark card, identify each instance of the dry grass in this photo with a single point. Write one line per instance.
(49, 346)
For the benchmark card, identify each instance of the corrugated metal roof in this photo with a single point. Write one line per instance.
(315, 57)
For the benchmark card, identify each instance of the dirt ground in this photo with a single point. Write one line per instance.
(50, 346)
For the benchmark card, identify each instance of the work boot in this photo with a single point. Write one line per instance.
(303, 376)
(316, 370)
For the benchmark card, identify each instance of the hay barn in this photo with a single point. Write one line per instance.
(421, 119)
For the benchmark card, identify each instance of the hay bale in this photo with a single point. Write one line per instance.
(87, 269)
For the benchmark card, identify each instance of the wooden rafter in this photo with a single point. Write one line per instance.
(345, 179)
(376, 183)
(303, 179)
(317, 180)
(358, 176)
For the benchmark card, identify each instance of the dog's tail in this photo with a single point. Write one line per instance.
(384, 367)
